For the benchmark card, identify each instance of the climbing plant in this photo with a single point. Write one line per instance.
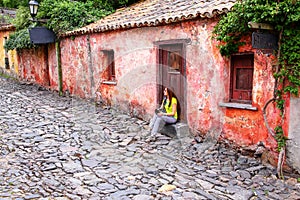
(66, 15)
(60, 16)
(13, 3)
(284, 16)
(20, 38)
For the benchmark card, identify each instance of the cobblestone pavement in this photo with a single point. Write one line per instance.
(55, 147)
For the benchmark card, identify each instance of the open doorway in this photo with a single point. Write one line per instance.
(172, 74)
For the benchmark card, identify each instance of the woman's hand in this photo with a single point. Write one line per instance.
(160, 114)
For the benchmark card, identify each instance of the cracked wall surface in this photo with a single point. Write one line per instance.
(293, 144)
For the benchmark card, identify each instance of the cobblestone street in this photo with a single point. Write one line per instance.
(54, 147)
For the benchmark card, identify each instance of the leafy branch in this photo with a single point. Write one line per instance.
(62, 16)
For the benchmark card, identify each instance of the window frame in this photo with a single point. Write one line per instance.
(109, 62)
(233, 79)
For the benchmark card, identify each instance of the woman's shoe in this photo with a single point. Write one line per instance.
(151, 138)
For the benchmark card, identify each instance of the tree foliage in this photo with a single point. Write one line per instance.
(19, 40)
(106, 3)
(65, 15)
(13, 3)
(61, 16)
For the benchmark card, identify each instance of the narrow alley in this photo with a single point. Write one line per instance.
(54, 147)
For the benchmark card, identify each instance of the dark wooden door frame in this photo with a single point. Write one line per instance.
(160, 44)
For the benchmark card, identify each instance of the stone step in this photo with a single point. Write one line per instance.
(179, 130)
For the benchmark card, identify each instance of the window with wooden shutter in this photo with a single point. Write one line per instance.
(242, 78)
(109, 65)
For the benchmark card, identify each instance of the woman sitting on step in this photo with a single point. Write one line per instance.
(166, 114)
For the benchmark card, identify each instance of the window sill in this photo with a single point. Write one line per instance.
(109, 82)
(238, 106)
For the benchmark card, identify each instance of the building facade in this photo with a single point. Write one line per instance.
(127, 59)
(8, 61)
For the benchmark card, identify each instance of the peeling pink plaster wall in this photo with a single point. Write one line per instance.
(53, 69)
(135, 61)
(207, 77)
(33, 65)
(75, 68)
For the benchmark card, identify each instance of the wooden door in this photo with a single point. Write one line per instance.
(172, 74)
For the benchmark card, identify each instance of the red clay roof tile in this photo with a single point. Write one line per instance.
(156, 12)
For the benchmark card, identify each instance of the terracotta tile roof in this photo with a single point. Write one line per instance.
(156, 12)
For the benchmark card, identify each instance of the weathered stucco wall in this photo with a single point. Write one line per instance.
(34, 65)
(207, 77)
(75, 66)
(12, 56)
(53, 69)
(293, 144)
(134, 91)
(135, 62)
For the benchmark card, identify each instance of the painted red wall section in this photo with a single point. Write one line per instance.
(135, 61)
(34, 65)
(75, 66)
(52, 65)
(207, 77)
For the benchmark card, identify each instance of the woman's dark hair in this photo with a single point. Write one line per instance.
(171, 95)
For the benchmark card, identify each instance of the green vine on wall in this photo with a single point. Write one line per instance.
(61, 16)
(279, 136)
(284, 16)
